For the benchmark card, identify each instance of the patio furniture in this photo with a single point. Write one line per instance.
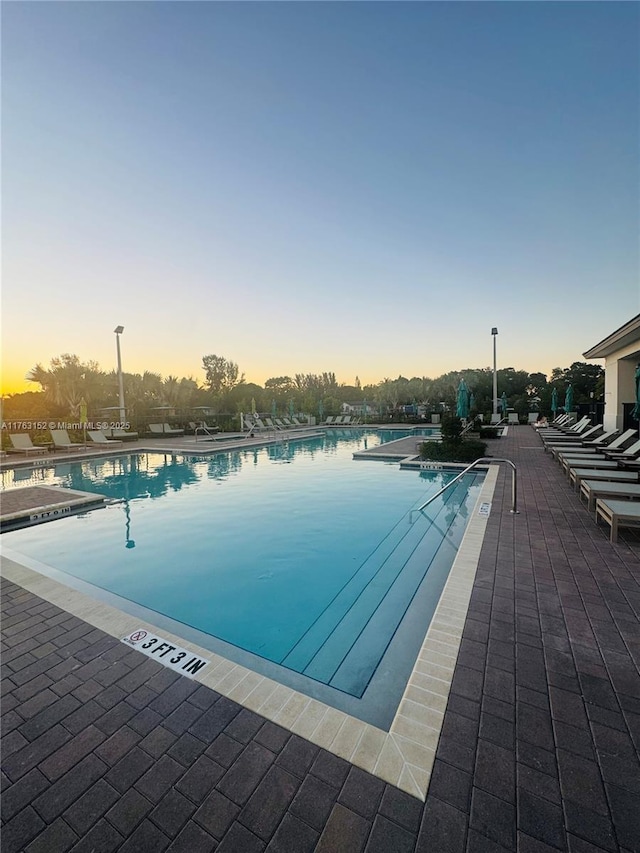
(21, 443)
(164, 429)
(594, 489)
(98, 437)
(617, 514)
(61, 441)
(613, 475)
(121, 434)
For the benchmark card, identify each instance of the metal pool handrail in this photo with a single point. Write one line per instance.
(202, 429)
(483, 459)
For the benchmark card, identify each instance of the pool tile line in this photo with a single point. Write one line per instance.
(402, 757)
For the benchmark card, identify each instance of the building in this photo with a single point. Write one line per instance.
(621, 353)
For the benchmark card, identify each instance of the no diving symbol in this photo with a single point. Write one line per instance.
(137, 636)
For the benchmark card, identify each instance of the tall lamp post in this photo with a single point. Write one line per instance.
(123, 414)
(494, 333)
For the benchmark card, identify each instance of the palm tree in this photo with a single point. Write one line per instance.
(68, 381)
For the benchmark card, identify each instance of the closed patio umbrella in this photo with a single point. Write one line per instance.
(320, 410)
(472, 400)
(554, 401)
(291, 407)
(462, 405)
(274, 409)
(568, 399)
(83, 417)
(503, 404)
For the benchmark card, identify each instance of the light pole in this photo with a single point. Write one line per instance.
(494, 333)
(123, 415)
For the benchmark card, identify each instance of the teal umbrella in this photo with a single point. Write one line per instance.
(274, 409)
(635, 414)
(291, 407)
(503, 404)
(462, 405)
(472, 400)
(321, 410)
(554, 401)
(568, 399)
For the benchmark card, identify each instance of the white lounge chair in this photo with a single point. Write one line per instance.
(98, 437)
(594, 489)
(513, 418)
(164, 429)
(61, 441)
(121, 434)
(618, 513)
(630, 452)
(21, 443)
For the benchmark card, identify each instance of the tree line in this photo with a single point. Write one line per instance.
(68, 382)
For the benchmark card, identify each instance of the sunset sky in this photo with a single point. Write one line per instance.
(363, 188)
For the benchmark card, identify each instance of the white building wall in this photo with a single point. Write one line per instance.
(619, 384)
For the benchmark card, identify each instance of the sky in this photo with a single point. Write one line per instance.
(361, 188)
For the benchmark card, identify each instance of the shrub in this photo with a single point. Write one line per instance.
(488, 432)
(451, 429)
(456, 451)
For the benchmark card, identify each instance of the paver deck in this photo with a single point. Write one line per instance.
(104, 749)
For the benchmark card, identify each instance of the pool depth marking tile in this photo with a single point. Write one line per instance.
(403, 756)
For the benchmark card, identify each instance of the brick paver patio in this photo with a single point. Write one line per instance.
(104, 749)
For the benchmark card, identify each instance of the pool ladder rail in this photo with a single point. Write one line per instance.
(481, 461)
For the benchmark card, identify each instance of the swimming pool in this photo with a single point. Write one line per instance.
(293, 559)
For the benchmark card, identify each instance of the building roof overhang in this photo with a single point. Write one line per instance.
(623, 337)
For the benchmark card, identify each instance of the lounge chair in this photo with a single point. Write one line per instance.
(254, 425)
(121, 434)
(607, 439)
(532, 418)
(98, 437)
(164, 429)
(594, 489)
(577, 440)
(328, 421)
(571, 428)
(21, 443)
(587, 462)
(618, 514)
(495, 420)
(513, 418)
(61, 441)
(630, 452)
(582, 446)
(346, 421)
(338, 420)
(269, 422)
(614, 475)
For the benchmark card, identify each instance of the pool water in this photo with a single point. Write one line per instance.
(295, 554)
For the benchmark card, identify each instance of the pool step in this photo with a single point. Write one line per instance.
(379, 592)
